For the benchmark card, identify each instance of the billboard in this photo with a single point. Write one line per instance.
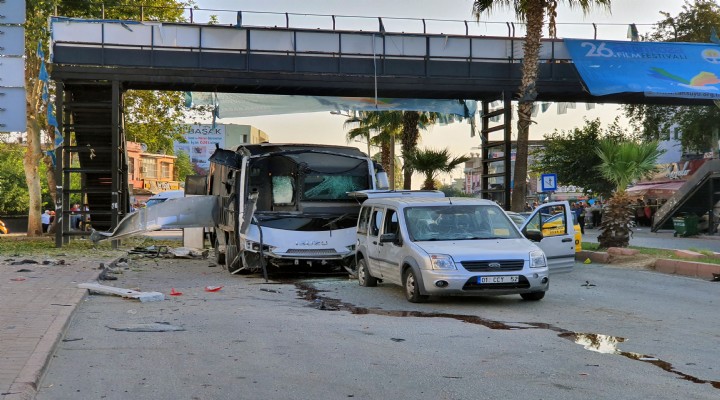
(201, 143)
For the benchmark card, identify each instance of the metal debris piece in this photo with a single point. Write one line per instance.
(128, 293)
(394, 339)
(587, 284)
(72, 339)
(51, 261)
(185, 212)
(24, 270)
(151, 327)
(188, 252)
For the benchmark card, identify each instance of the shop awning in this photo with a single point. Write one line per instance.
(661, 190)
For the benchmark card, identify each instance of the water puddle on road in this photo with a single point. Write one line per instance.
(590, 341)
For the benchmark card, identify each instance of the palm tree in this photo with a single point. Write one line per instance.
(533, 13)
(413, 121)
(387, 124)
(430, 163)
(622, 163)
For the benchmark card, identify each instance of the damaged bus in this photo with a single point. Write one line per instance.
(287, 205)
(270, 205)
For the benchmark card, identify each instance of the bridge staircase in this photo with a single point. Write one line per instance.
(94, 158)
(698, 196)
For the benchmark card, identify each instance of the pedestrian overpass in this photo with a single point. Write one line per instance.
(95, 61)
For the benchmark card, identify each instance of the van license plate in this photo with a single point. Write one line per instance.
(499, 279)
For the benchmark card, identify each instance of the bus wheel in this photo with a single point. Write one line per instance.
(219, 255)
(232, 261)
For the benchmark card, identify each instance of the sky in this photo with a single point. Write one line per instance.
(324, 128)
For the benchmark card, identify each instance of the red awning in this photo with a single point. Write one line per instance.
(660, 190)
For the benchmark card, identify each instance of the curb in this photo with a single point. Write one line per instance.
(663, 265)
(25, 385)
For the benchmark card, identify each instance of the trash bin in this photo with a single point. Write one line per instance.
(685, 224)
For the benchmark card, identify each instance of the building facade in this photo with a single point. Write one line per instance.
(149, 173)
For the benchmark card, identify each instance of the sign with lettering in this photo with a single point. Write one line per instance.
(666, 69)
(201, 142)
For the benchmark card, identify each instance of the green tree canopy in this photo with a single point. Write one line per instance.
(696, 123)
(625, 161)
(571, 155)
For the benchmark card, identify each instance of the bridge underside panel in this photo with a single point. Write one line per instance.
(323, 75)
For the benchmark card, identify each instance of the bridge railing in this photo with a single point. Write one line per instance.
(247, 18)
(160, 36)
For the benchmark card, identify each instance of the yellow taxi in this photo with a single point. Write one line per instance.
(554, 226)
(3, 228)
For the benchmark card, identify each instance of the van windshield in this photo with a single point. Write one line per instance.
(459, 222)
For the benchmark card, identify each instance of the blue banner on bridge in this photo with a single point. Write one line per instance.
(687, 70)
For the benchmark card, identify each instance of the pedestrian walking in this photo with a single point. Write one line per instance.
(45, 220)
(581, 217)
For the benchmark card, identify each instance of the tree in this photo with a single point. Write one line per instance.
(571, 154)
(533, 13)
(697, 123)
(412, 122)
(622, 162)
(431, 163)
(36, 37)
(183, 166)
(387, 126)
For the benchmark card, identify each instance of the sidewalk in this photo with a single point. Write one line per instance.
(36, 306)
(663, 239)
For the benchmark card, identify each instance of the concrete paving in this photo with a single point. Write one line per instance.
(37, 304)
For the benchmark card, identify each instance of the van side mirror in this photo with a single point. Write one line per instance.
(388, 238)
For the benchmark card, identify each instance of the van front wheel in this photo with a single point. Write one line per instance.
(412, 289)
(363, 274)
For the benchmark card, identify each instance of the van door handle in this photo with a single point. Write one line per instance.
(567, 240)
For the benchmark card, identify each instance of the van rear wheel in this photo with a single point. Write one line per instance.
(364, 275)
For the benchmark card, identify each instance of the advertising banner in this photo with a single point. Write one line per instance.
(685, 70)
(201, 141)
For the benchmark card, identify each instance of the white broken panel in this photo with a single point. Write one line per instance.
(144, 297)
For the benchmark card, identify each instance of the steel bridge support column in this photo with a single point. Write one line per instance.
(62, 197)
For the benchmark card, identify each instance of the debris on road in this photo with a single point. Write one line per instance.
(587, 284)
(72, 339)
(51, 261)
(127, 293)
(152, 327)
(715, 278)
(213, 288)
(20, 279)
(24, 270)
(21, 262)
(188, 252)
(174, 292)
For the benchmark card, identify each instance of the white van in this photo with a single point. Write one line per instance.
(460, 246)
(162, 196)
